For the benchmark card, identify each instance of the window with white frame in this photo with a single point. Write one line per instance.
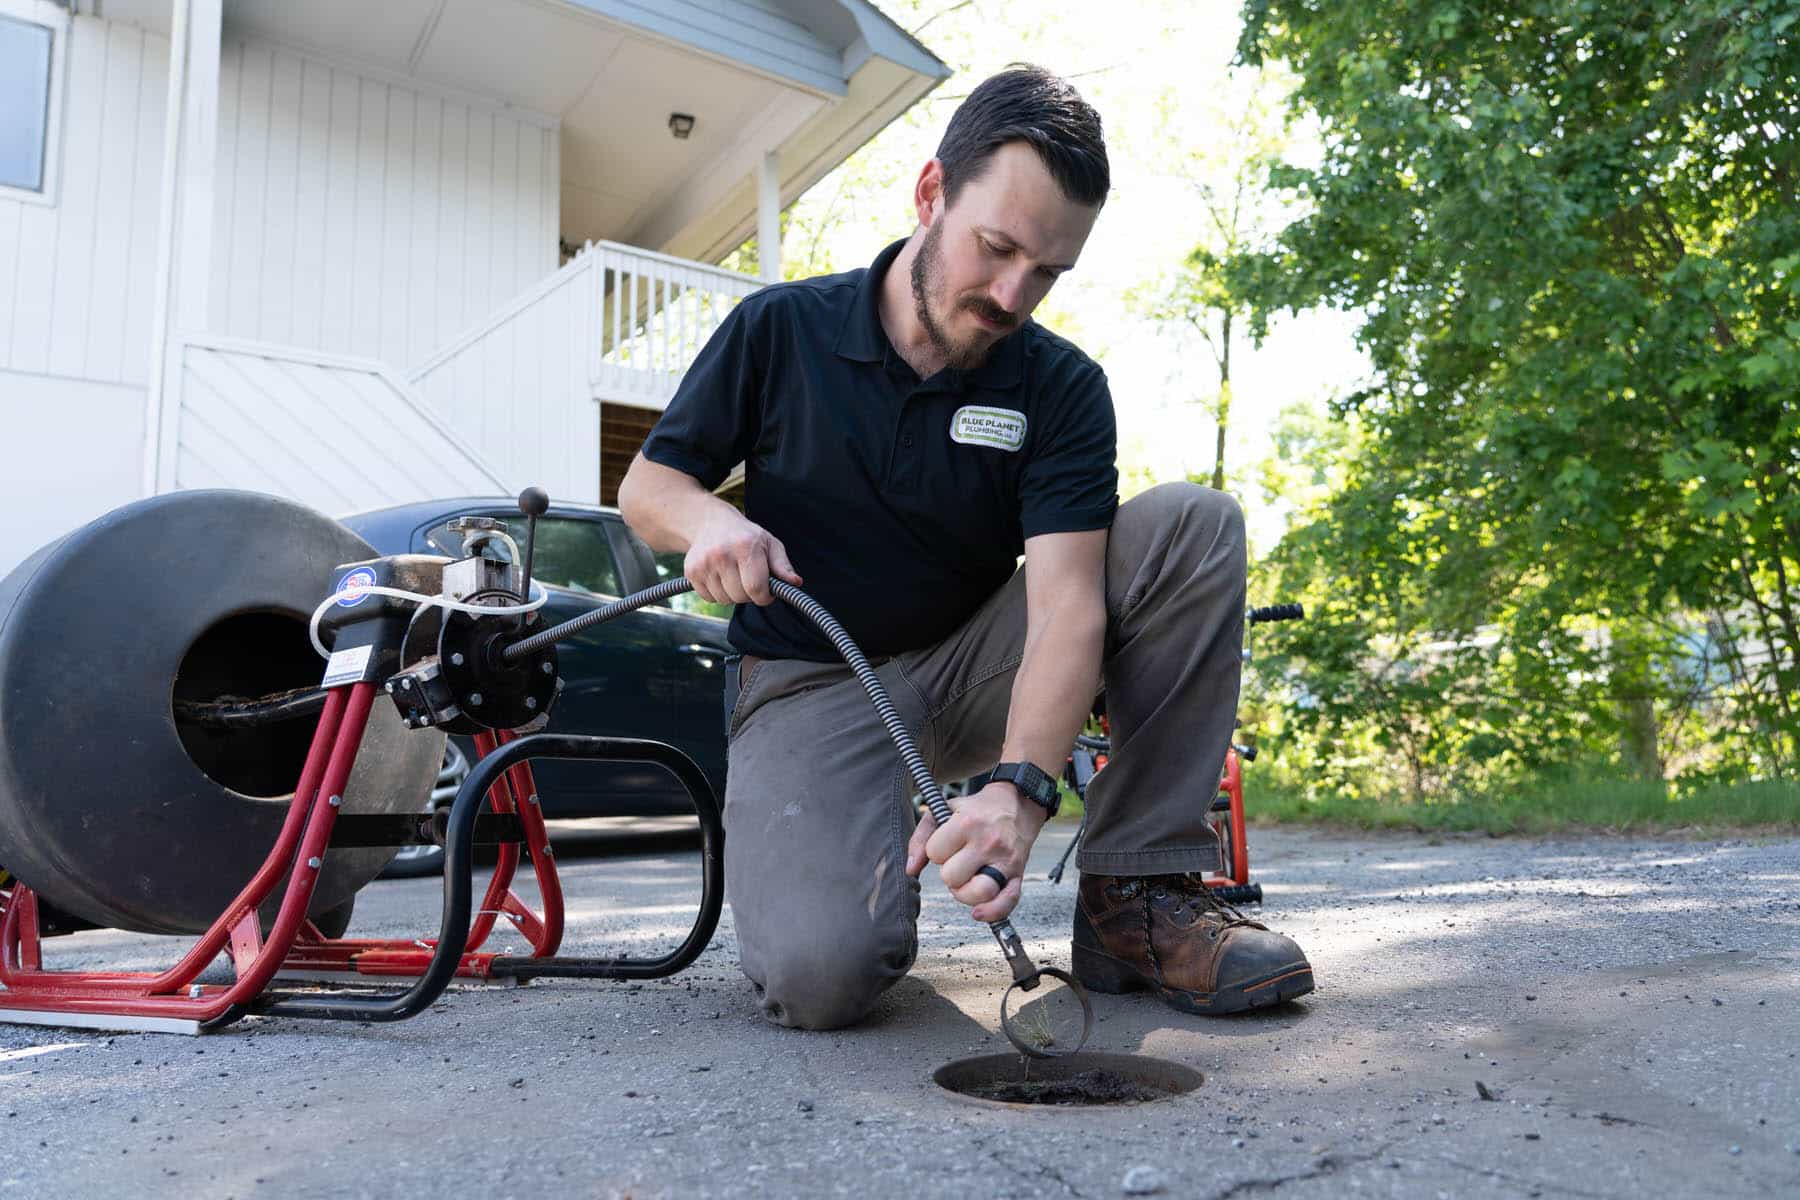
(33, 34)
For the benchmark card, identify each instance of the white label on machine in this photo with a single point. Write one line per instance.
(347, 666)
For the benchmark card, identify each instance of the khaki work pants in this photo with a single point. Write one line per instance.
(817, 801)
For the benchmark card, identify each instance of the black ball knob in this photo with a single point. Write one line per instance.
(534, 502)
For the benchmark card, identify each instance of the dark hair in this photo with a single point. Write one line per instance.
(1028, 104)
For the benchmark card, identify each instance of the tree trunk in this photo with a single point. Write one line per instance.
(1633, 682)
(1642, 756)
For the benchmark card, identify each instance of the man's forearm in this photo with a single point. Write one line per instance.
(665, 507)
(727, 558)
(1053, 690)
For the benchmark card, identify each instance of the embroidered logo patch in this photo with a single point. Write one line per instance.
(1000, 428)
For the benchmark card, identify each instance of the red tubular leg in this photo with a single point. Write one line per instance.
(18, 974)
(514, 791)
(319, 756)
(1240, 837)
(1232, 784)
(21, 931)
(304, 875)
(78, 993)
(546, 937)
(506, 864)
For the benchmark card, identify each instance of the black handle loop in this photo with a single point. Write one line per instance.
(459, 875)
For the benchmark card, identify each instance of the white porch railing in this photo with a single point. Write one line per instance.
(656, 312)
(615, 324)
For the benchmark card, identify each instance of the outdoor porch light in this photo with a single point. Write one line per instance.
(681, 124)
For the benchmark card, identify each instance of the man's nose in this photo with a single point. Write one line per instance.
(1009, 292)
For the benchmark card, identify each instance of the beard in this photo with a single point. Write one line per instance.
(928, 288)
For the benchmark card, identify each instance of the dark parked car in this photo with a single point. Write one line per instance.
(654, 673)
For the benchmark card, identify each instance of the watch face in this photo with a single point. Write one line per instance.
(1031, 780)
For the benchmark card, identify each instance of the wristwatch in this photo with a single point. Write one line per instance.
(1037, 787)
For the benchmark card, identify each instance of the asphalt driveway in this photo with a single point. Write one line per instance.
(1632, 1007)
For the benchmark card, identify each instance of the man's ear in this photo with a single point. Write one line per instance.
(928, 193)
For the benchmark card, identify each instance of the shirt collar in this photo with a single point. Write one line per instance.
(862, 339)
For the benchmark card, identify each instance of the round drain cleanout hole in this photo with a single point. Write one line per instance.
(1079, 1081)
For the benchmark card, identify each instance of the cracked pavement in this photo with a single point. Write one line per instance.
(1629, 1004)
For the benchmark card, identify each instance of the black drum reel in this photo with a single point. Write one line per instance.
(119, 802)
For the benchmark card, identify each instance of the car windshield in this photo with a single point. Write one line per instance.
(669, 566)
(571, 552)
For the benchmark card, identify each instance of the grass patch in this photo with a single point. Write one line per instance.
(1071, 808)
(1547, 806)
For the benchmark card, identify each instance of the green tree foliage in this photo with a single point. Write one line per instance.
(1572, 523)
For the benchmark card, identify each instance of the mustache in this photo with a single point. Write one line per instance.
(983, 307)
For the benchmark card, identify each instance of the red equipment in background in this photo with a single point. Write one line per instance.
(1226, 811)
(1227, 819)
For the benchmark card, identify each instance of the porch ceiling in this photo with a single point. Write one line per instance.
(813, 79)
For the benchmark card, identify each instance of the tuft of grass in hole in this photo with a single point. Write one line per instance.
(1549, 805)
(1032, 1025)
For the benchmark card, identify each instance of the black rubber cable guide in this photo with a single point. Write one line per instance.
(459, 873)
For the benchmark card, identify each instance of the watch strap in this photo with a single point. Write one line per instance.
(1032, 782)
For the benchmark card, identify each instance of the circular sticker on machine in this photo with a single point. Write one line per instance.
(352, 587)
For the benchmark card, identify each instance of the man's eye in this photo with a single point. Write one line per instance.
(992, 249)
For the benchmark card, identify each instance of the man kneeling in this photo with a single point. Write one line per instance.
(907, 432)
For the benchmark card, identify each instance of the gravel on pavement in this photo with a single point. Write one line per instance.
(1582, 1017)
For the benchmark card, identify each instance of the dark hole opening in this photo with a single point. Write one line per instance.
(1081, 1080)
(249, 656)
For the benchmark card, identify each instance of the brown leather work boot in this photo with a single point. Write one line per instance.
(1170, 934)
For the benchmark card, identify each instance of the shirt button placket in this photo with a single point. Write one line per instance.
(906, 474)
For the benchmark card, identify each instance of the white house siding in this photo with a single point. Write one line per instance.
(339, 435)
(76, 275)
(76, 278)
(363, 216)
(74, 450)
(518, 387)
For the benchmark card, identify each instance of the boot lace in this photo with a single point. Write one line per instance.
(1192, 888)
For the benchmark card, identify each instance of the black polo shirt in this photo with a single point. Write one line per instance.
(904, 503)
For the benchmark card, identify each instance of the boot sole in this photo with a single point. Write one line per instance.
(1101, 972)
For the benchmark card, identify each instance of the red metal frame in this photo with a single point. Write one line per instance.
(314, 955)
(1231, 784)
(294, 946)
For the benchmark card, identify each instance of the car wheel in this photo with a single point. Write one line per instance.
(414, 862)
